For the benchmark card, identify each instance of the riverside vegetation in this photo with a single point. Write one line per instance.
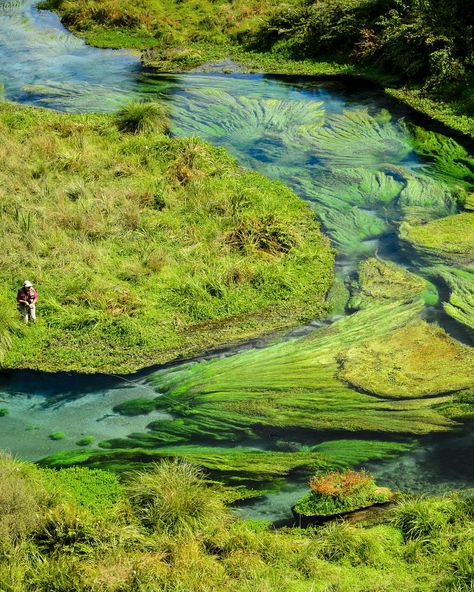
(422, 49)
(81, 530)
(144, 247)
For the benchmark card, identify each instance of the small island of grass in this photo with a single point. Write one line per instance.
(340, 492)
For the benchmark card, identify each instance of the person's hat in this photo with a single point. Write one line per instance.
(27, 284)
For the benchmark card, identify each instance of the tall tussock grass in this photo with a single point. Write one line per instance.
(142, 117)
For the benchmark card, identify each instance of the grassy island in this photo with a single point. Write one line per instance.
(339, 492)
(144, 247)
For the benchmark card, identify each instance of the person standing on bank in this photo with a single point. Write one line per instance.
(26, 298)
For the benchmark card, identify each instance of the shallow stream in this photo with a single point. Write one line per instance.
(325, 139)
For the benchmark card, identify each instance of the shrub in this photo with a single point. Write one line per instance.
(142, 117)
(422, 519)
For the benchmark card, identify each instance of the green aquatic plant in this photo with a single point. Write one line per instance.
(138, 406)
(239, 465)
(359, 139)
(423, 199)
(57, 436)
(460, 305)
(253, 123)
(444, 240)
(4, 411)
(346, 187)
(295, 384)
(384, 281)
(446, 156)
(430, 362)
(353, 231)
(86, 441)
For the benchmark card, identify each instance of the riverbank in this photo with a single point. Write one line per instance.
(171, 529)
(267, 38)
(144, 248)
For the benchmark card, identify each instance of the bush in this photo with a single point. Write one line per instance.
(140, 117)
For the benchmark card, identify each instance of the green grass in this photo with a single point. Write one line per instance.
(130, 240)
(169, 529)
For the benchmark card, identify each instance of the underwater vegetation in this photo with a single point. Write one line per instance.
(385, 281)
(381, 371)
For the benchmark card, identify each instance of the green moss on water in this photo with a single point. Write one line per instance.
(4, 411)
(415, 361)
(384, 281)
(57, 436)
(86, 441)
(138, 406)
(448, 239)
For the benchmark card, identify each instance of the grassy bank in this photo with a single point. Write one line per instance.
(143, 247)
(84, 531)
(418, 51)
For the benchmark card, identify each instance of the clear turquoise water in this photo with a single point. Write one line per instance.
(269, 125)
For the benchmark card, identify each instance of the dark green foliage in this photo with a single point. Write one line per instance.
(3, 411)
(428, 41)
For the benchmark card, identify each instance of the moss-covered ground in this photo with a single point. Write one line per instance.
(143, 247)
